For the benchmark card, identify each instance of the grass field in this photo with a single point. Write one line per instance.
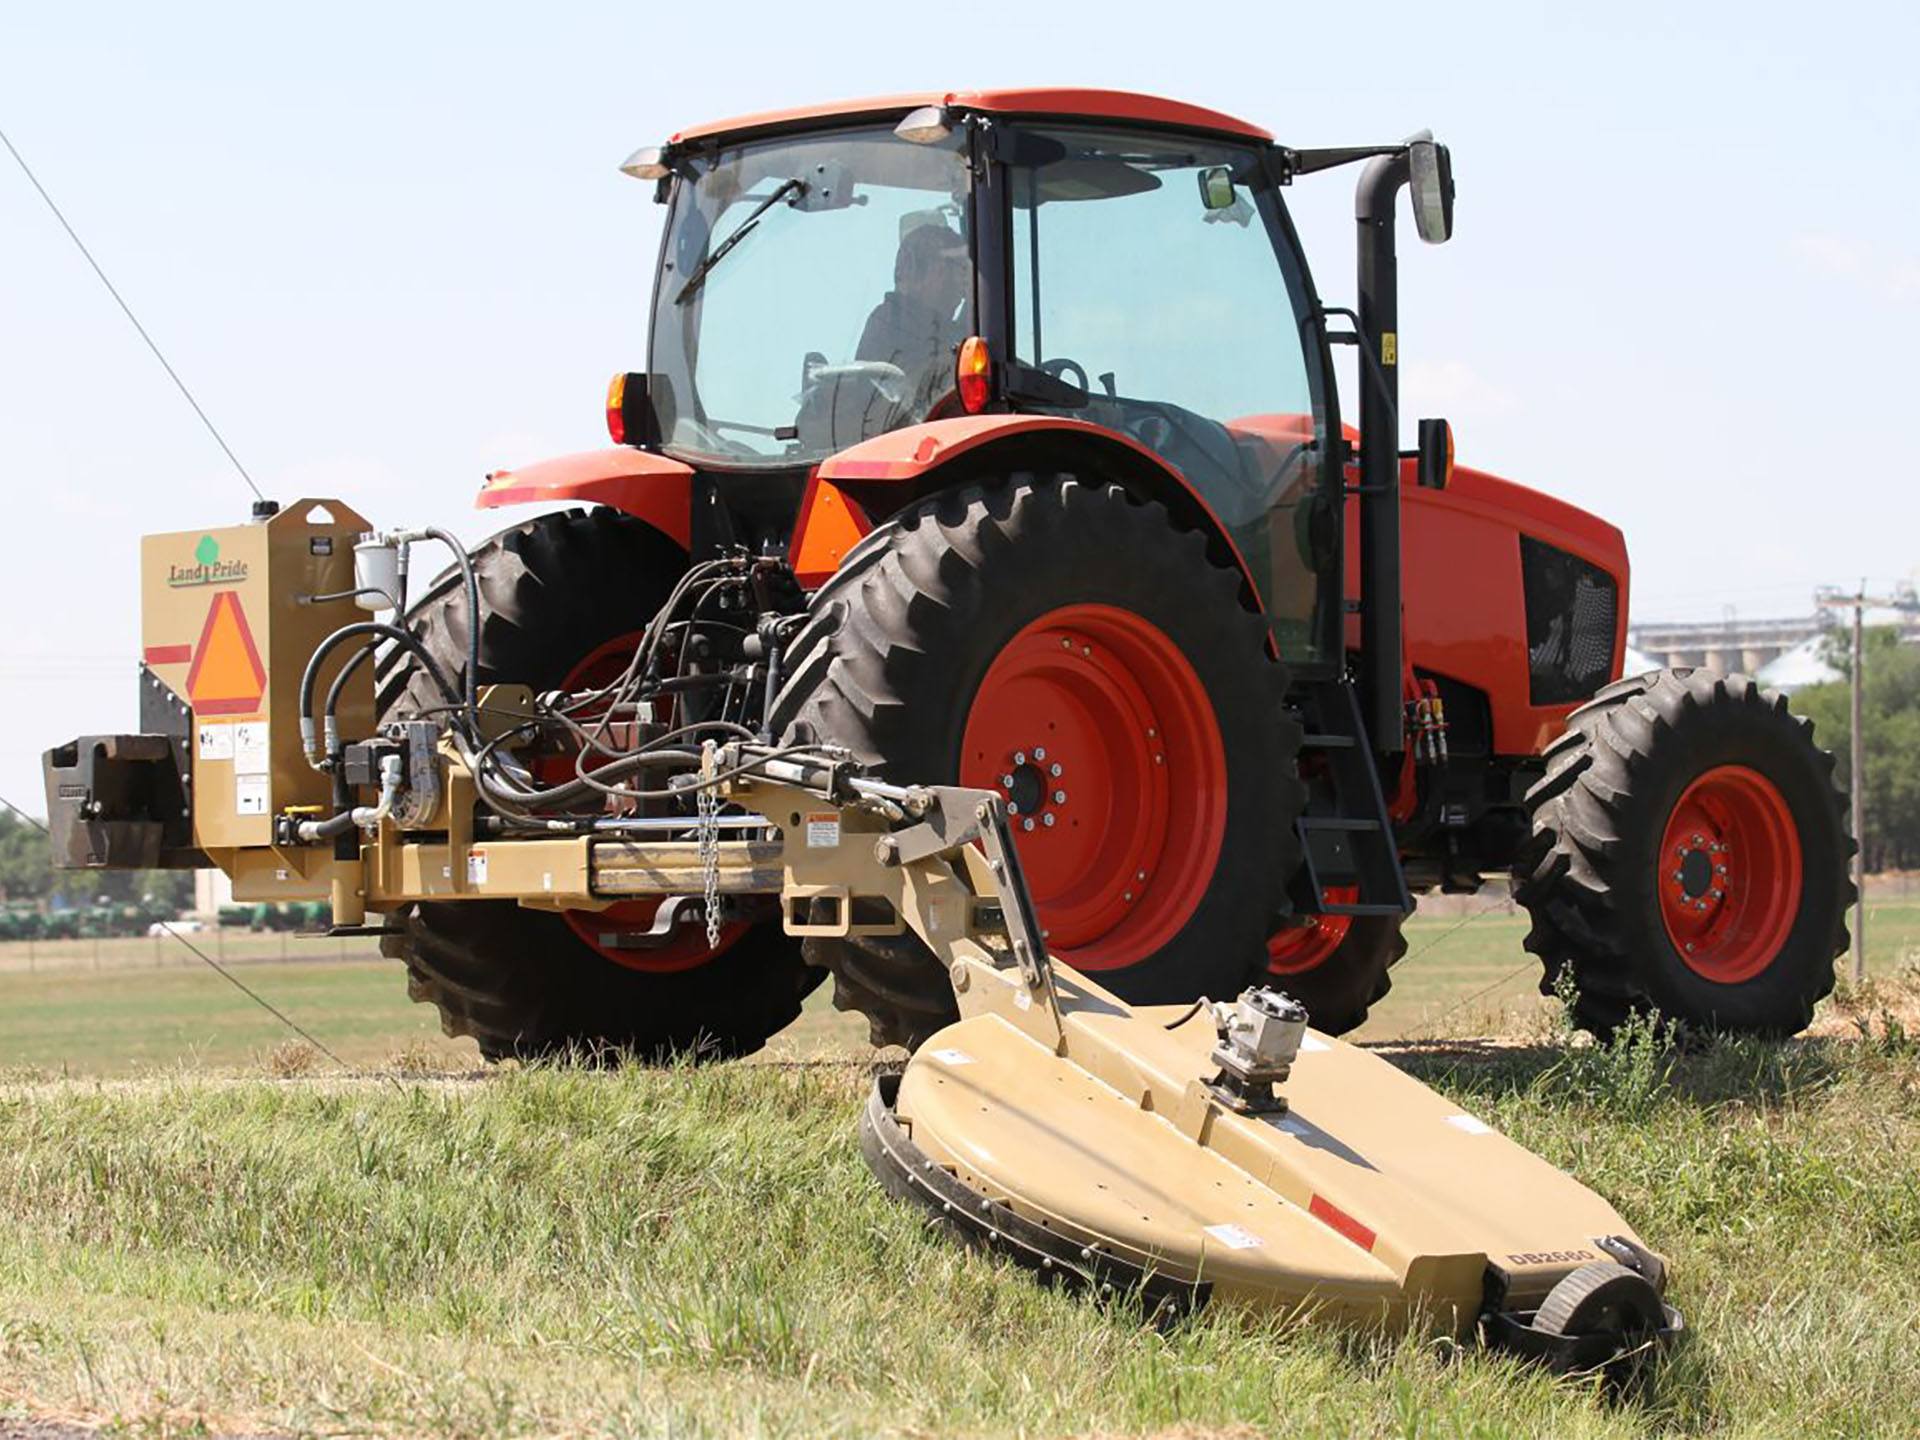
(130, 1005)
(208, 1248)
(702, 1253)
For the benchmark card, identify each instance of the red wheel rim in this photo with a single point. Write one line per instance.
(1728, 874)
(1103, 739)
(1301, 948)
(600, 929)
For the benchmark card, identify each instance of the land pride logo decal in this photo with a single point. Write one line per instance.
(208, 568)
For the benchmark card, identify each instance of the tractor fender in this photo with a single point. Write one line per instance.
(649, 487)
(885, 474)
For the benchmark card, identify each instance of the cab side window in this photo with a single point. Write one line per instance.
(1146, 274)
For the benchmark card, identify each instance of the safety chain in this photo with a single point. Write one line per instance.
(707, 809)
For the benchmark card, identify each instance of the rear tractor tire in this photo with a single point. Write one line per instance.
(1689, 855)
(1065, 643)
(562, 598)
(1337, 965)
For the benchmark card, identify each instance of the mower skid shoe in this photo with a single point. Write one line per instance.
(907, 1174)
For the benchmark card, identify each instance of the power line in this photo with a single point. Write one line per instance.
(127, 310)
(212, 964)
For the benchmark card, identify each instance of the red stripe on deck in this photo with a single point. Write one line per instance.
(1328, 1213)
(168, 654)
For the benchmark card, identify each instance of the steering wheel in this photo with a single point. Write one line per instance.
(1058, 369)
(888, 378)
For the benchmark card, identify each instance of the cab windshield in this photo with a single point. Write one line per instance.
(812, 294)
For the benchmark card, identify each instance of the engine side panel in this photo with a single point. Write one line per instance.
(1465, 595)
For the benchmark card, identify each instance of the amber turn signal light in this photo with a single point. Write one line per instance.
(616, 408)
(973, 374)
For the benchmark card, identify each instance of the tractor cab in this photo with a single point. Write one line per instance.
(832, 279)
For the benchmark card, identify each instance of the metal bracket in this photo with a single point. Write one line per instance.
(1016, 903)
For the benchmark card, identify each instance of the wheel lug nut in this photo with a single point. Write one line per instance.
(1019, 757)
(1046, 820)
(1054, 769)
(1139, 874)
(1012, 809)
(1059, 797)
(1039, 752)
(1026, 824)
(1127, 896)
(1006, 782)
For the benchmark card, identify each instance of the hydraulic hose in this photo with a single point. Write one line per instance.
(311, 675)
(330, 730)
(562, 795)
(392, 779)
(472, 583)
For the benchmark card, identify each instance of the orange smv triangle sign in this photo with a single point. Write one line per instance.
(227, 677)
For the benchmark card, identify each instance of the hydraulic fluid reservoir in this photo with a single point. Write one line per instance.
(376, 573)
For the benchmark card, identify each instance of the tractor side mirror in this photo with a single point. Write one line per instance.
(1430, 179)
(1435, 455)
(1216, 187)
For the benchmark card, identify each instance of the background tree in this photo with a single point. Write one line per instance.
(1890, 722)
(27, 873)
(26, 868)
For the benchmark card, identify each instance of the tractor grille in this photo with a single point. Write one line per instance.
(1571, 608)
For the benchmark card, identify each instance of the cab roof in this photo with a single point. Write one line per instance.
(1052, 102)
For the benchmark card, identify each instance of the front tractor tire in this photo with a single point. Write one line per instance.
(1065, 643)
(562, 598)
(1689, 856)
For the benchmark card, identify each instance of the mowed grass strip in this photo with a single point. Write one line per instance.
(1464, 975)
(700, 1252)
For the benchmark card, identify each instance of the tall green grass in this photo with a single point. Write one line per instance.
(702, 1252)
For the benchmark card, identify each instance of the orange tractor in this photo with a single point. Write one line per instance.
(992, 438)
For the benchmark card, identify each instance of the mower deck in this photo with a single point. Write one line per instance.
(1105, 1159)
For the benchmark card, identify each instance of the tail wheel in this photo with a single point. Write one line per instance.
(1062, 642)
(1337, 965)
(1688, 855)
(564, 598)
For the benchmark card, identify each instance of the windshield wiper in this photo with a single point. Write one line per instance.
(719, 252)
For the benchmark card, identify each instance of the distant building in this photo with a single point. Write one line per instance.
(211, 890)
(1785, 654)
(1748, 646)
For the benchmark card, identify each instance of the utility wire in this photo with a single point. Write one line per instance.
(1485, 990)
(1454, 1009)
(127, 310)
(213, 964)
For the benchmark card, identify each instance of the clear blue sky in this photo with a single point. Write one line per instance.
(388, 247)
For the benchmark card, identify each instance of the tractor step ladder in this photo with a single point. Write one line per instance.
(1346, 834)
